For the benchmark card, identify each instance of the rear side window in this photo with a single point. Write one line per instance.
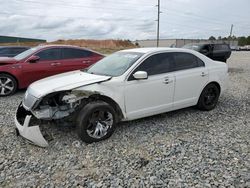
(50, 54)
(156, 64)
(186, 61)
(218, 47)
(72, 53)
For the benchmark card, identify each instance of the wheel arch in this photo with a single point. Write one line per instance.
(3, 72)
(110, 101)
(215, 83)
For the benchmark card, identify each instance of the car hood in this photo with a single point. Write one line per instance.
(7, 60)
(65, 81)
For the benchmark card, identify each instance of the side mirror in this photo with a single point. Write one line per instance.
(140, 75)
(33, 59)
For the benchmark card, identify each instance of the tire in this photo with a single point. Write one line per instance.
(90, 120)
(209, 97)
(8, 85)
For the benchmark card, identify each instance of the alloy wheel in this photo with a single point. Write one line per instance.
(6, 85)
(99, 124)
(210, 96)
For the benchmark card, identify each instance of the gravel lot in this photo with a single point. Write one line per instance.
(185, 148)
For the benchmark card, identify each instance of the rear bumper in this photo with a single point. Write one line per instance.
(31, 133)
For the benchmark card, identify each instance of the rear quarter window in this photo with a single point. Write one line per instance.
(72, 53)
(219, 47)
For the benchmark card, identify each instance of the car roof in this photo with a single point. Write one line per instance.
(206, 43)
(45, 46)
(155, 49)
(14, 47)
(57, 45)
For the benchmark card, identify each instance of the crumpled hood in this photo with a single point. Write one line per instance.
(65, 81)
(7, 60)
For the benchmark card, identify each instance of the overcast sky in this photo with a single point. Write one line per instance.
(130, 19)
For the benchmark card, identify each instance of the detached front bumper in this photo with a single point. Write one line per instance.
(31, 133)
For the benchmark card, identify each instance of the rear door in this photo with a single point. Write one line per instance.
(75, 59)
(191, 76)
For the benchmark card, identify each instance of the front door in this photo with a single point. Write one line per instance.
(153, 95)
(49, 64)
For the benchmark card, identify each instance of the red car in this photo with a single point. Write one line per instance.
(40, 62)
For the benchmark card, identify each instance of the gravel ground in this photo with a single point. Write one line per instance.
(185, 148)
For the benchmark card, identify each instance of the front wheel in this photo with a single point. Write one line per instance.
(209, 97)
(96, 121)
(8, 85)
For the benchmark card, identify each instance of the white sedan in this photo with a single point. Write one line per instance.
(126, 85)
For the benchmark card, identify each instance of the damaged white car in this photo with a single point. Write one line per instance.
(126, 85)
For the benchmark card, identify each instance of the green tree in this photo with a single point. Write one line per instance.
(212, 38)
(248, 40)
(242, 41)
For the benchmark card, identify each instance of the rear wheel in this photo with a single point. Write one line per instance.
(209, 97)
(8, 85)
(96, 121)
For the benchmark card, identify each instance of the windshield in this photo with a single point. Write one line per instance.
(115, 64)
(195, 47)
(26, 53)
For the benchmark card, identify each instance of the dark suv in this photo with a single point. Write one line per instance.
(12, 51)
(218, 52)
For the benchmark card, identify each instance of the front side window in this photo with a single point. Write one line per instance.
(50, 54)
(72, 53)
(186, 61)
(157, 64)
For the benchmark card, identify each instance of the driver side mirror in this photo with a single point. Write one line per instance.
(33, 59)
(140, 75)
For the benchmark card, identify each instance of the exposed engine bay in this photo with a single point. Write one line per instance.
(59, 105)
(56, 106)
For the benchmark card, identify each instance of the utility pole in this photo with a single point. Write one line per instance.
(231, 30)
(158, 22)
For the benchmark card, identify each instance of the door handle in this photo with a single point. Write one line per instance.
(55, 64)
(167, 81)
(203, 74)
(86, 61)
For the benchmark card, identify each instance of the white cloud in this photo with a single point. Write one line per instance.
(131, 19)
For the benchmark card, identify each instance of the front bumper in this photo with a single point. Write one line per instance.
(31, 133)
